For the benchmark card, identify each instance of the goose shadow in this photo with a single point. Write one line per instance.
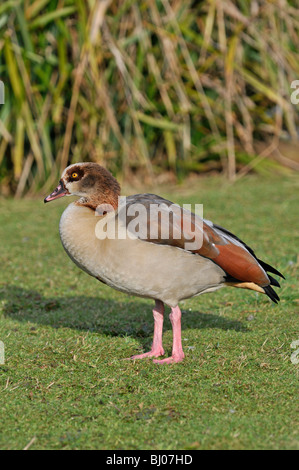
(98, 314)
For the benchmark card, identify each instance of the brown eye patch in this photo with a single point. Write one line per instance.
(75, 174)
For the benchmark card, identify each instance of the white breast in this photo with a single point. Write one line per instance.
(134, 266)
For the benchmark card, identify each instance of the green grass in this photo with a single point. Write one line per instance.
(65, 382)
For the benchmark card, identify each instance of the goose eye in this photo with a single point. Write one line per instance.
(74, 175)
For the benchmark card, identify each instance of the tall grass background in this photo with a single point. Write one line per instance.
(145, 87)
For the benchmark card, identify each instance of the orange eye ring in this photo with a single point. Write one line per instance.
(74, 175)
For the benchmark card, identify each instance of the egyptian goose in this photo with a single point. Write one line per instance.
(103, 238)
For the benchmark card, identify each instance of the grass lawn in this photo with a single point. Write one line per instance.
(65, 383)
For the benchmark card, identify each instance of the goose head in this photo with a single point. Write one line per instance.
(93, 184)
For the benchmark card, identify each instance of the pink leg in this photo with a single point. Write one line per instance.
(157, 348)
(177, 350)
